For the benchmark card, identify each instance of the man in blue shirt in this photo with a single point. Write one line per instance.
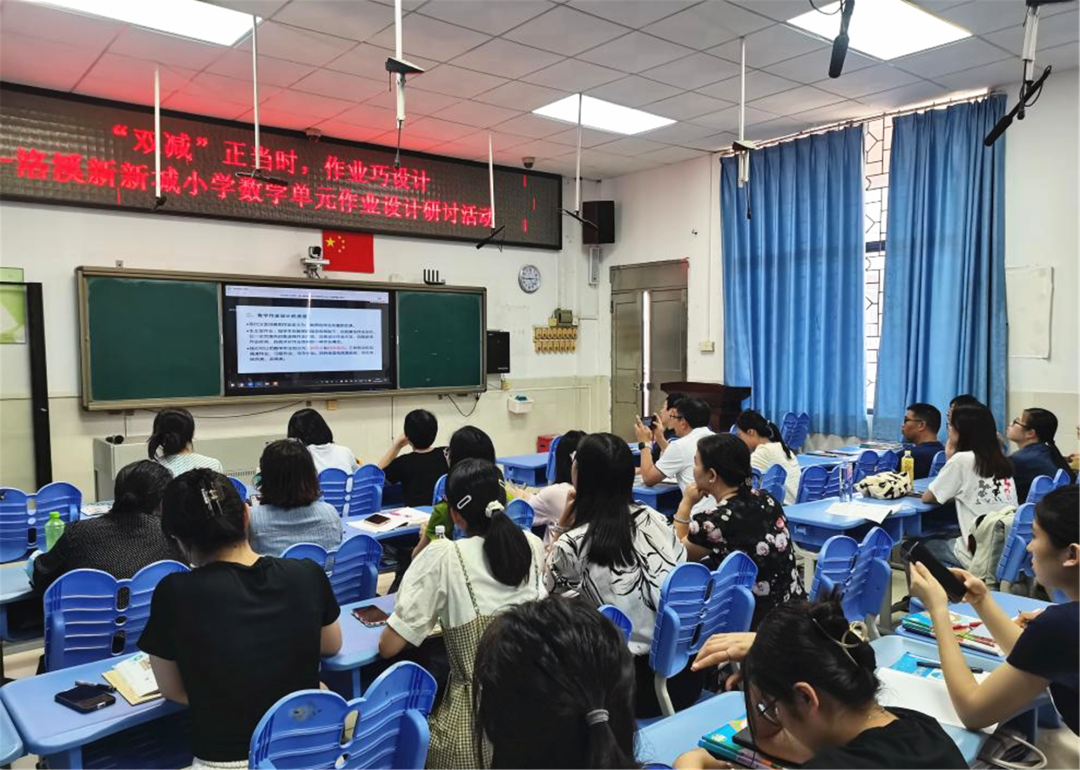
(921, 425)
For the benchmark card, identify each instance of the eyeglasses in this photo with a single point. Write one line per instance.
(677, 416)
(1017, 422)
(912, 419)
(768, 712)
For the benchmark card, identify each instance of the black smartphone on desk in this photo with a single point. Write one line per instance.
(954, 587)
(85, 698)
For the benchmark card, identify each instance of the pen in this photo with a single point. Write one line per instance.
(99, 685)
(935, 664)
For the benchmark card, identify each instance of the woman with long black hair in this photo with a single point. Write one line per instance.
(1033, 433)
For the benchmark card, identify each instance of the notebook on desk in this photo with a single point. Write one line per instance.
(970, 632)
(134, 679)
(723, 744)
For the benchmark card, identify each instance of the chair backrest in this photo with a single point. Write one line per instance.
(937, 464)
(774, 481)
(366, 494)
(796, 436)
(1040, 487)
(835, 561)
(353, 567)
(789, 425)
(241, 487)
(57, 496)
(334, 484)
(309, 728)
(16, 524)
(1015, 560)
(551, 459)
(521, 513)
(695, 604)
(90, 615)
(866, 464)
(755, 478)
(439, 491)
(1062, 478)
(812, 483)
(618, 617)
(870, 576)
(832, 481)
(888, 461)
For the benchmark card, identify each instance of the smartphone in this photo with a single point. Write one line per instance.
(745, 738)
(377, 518)
(85, 698)
(954, 587)
(648, 421)
(372, 617)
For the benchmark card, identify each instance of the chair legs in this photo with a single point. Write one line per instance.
(667, 708)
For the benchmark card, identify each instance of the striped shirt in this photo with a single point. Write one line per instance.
(273, 529)
(189, 461)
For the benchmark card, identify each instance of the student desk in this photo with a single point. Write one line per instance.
(14, 587)
(359, 644)
(828, 461)
(1012, 605)
(11, 745)
(663, 497)
(811, 525)
(389, 535)
(529, 470)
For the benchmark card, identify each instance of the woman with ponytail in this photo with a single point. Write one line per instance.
(462, 585)
(554, 687)
(744, 519)
(1037, 455)
(170, 443)
(767, 449)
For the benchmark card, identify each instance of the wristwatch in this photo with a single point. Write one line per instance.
(641, 445)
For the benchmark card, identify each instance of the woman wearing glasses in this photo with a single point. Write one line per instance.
(1037, 455)
(811, 695)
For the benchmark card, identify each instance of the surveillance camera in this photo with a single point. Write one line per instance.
(313, 134)
(528, 161)
(314, 252)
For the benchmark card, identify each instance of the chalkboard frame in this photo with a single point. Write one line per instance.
(89, 404)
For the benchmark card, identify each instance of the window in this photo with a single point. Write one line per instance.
(877, 144)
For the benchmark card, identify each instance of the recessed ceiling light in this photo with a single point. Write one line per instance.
(185, 18)
(885, 29)
(603, 116)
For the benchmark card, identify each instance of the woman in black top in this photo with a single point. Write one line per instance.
(811, 695)
(240, 631)
(121, 542)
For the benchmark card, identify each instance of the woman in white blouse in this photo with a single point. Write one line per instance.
(461, 585)
(611, 550)
(767, 449)
(549, 503)
(308, 426)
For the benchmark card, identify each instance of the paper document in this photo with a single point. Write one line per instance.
(385, 521)
(869, 511)
(134, 679)
(928, 695)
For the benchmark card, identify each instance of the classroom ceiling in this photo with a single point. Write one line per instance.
(490, 62)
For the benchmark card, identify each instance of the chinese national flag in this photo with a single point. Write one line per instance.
(349, 252)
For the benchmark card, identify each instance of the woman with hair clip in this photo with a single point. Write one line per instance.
(553, 687)
(462, 584)
(811, 699)
(767, 449)
(170, 443)
(309, 427)
(238, 632)
(1037, 455)
(611, 550)
(744, 519)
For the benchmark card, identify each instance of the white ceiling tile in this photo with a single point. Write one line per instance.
(417, 101)
(337, 130)
(728, 119)
(635, 52)
(167, 49)
(693, 71)
(44, 63)
(280, 119)
(493, 16)
(712, 143)
(477, 142)
(356, 20)
(140, 74)
(708, 24)
(369, 116)
(954, 57)
(905, 96)
(632, 145)
(1062, 57)
(937, 6)
(455, 81)
(340, 85)
(40, 21)
(538, 148)
(985, 15)
(796, 100)
(758, 84)
(532, 126)
(834, 113)
(434, 39)
(633, 91)
(318, 107)
(686, 106)
(273, 72)
(632, 13)
(673, 154)
(773, 129)
(433, 128)
(679, 133)
(521, 96)
(780, 10)
(477, 114)
(264, 9)
(566, 31)
(117, 90)
(880, 77)
(770, 45)
(590, 137)
(369, 61)
(573, 76)
(209, 86)
(297, 45)
(182, 101)
(1053, 31)
(506, 58)
(1000, 73)
(408, 141)
(406, 5)
(813, 66)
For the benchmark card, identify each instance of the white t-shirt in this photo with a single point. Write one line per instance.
(677, 462)
(189, 461)
(974, 495)
(434, 589)
(548, 505)
(333, 456)
(768, 455)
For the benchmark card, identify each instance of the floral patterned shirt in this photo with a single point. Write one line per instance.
(753, 523)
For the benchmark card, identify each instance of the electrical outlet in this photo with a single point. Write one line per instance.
(707, 346)
(331, 405)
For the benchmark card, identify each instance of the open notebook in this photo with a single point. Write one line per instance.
(134, 679)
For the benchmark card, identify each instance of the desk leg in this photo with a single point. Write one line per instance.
(72, 758)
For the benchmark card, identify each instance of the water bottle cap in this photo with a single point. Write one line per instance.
(54, 515)
(907, 453)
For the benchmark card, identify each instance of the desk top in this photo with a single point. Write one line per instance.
(1011, 604)
(815, 512)
(359, 644)
(11, 745)
(388, 535)
(807, 460)
(14, 584)
(532, 461)
(47, 727)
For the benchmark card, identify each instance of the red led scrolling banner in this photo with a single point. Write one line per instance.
(55, 148)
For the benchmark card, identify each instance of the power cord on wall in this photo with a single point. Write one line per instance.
(476, 403)
(235, 416)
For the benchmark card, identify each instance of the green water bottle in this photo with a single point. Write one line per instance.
(54, 528)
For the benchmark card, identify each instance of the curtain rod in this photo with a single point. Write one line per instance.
(858, 121)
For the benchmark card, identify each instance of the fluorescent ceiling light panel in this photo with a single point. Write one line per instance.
(603, 116)
(184, 18)
(885, 29)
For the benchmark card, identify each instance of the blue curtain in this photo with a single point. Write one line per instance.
(944, 328)
(793, 280)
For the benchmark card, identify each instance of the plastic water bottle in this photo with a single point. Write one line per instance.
(907, 465)
(846, 477)
(440, 532)
(54, 528)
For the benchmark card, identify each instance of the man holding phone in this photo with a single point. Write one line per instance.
(662, 424)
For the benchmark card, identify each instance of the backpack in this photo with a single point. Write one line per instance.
(985, 544)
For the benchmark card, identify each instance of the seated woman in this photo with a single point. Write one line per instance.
(549, 503)
(462, 585)
(1033, 433)
(573, 662)
(611, 550)
(811, 695)
(290, 511)
(121, 542)
(1043, 652)
(745, 519)
(238, 632)
(309, 428)
(767, 449)
(171, 443)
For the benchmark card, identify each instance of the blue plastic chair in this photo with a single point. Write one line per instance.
(1040, 487)
(439, 492)
(334, 484)
(366, 494)
(241, 487)
(812, 484)
(1062, 478)
(887, 462)
(734, 429)
(521, 513)
(866, 464)
(618, 617)
(308, 729)
(859, 572)
(695, 604)
(832, 481)
(57, 496)
(551, 459)
(353, 567)
(1015, 561)
(789, 425)
(937, 464)
(802, 432)
(90, 615)
(774, 481)
(16, 524)
(835, 561)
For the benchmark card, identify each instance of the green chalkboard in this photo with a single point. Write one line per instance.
(153, 338)
(440, 339)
